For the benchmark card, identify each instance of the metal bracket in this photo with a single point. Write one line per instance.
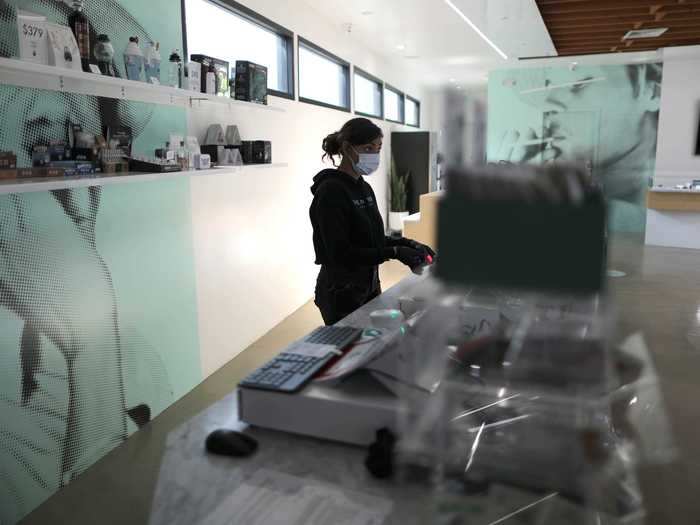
(61, 83)
(123, 91)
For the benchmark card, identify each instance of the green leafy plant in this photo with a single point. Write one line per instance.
(399, 195)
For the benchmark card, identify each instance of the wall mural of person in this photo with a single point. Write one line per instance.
(76, 357)
(605, 117)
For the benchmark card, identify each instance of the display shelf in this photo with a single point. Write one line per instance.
(62, 183)
(27, 74)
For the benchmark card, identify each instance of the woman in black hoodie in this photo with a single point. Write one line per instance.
(348, 236)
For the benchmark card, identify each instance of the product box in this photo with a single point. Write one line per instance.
(25, 173)
(221, 67)
(40, 156)
(6, 174)
(251, 82)
(32, 36)
(194, 77)
(256, 151)
(8, 160)
(119, 137)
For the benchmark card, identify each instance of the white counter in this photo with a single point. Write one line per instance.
(673, 218)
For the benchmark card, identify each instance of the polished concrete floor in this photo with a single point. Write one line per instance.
(660, 296)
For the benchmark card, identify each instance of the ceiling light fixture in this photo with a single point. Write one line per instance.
(400, 47)
(478, 31)
(645, 33)
(453, 80)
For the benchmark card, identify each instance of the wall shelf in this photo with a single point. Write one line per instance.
(62, 183)
(27, 74)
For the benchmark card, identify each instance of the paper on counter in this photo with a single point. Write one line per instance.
(370, 346)
(274, 498)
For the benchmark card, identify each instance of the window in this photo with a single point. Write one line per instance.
(324, 79)
(227, 30)
(369, 95)
(393, 105)
(412, 112)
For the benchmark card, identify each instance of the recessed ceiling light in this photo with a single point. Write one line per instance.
(478, 31)
(459, 87)
(400, 47)
(453, 80)
(645, 33)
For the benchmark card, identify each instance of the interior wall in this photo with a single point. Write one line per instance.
(676, 161)
(252, 235)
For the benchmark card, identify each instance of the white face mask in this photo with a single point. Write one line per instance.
(366, 164)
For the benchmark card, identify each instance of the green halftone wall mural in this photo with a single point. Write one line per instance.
(604, 117)
(98, 320)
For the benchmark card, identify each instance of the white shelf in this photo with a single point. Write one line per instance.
(62, 183)
(27, 74)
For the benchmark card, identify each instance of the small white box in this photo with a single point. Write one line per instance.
(194, 76)
(63, 48)
(202, 161)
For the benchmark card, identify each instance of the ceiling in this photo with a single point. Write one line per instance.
(580, 27)
(430, 38)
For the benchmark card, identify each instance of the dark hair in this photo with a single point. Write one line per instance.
(356, 131)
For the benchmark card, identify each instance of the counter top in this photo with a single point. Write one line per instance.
(673, 200)
(674, 190)
(61, 183)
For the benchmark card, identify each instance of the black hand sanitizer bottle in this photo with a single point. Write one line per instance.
(81, 29)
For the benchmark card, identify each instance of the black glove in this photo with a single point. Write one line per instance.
(410, 243)
(410, 257)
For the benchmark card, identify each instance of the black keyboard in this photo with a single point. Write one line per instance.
(300, 361)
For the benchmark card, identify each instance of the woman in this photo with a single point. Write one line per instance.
(348, 230)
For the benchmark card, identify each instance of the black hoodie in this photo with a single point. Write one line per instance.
(348, 228)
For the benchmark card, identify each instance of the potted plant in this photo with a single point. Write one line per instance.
(399, 197)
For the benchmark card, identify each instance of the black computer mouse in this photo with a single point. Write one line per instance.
(230, 443)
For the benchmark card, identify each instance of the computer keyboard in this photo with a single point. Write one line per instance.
(300, 361)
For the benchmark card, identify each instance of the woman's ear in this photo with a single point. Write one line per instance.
(650, 87)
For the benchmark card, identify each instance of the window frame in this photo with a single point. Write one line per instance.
(417, 103)
(367, 76)
(303, 42)
(265, 23)
(402, 110)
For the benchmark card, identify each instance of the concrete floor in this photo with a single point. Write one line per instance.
(659, 296)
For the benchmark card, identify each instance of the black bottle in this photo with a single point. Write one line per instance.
(81, 29)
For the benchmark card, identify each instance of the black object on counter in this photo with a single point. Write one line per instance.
(256, 151)
(230, 443)
(380, 459)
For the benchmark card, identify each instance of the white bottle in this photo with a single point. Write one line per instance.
(133, 59)
(152, 61)
(211, 80)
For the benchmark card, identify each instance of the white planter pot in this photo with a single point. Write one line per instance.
(396, 220)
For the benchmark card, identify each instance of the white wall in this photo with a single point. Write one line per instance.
(676, 161)
(252, 236)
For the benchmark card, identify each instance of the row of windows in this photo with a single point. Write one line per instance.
(230, 31)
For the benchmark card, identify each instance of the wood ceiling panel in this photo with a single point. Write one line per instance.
(580, 27)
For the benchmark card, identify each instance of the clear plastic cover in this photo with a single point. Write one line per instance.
(532, 416)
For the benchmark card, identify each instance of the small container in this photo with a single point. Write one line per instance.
(104, 54)
(152, 60)
(133, 59)
(211, 80)
(175, 69)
